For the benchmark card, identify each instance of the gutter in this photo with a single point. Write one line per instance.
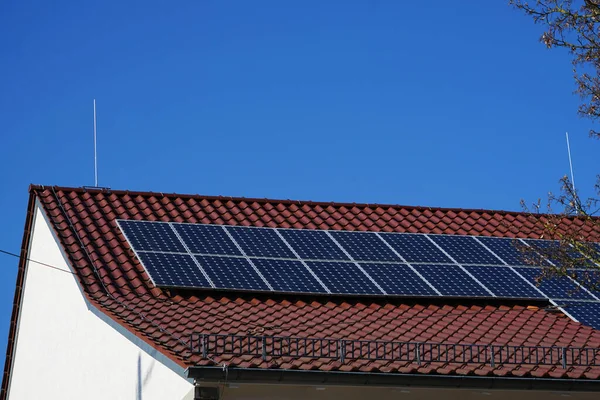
(338, 378)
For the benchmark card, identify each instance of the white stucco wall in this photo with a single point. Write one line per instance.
(67, 350)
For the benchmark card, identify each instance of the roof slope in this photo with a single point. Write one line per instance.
(116, 283)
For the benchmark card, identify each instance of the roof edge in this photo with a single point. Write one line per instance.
(339, 378)
(10, 345)
(88, 189)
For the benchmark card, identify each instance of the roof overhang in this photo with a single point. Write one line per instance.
(337, 378)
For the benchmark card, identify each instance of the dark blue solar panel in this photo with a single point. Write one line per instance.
(465, 249)
(173, 270)
(151, 236)
(260, 242)
(549, 249)
(343, 278)
(398, 279)
(288, 276)
(588, 278)
(503, 282)
(586, 313)
(231, 273)
(559, 287)
(207, 239)
(415, 248)
(313, 245)
(505, 248)
(363, 246)
(451, 280)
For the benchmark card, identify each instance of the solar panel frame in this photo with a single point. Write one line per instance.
(239, 271)
(190, 233)
(189, 273)
(411, 283)
(555, 288)
(157, 236)
(504, 282)
(444, 278)
(465, 250)
(313, 244)
(289, 276)
(415, 248)
(354, 244)
(505, 248)
(587, 313)
(260, 242)
(336, 275)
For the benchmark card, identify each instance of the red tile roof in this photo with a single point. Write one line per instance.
(114, 281)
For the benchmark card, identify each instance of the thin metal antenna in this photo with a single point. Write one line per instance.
(570, 163)
(95, 155)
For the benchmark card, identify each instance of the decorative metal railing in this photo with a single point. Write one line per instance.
(412, 352)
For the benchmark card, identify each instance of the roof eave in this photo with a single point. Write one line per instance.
(339, 378)
(18, 293)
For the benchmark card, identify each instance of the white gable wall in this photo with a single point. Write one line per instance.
(66, 349)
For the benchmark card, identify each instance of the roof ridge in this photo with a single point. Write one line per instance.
(86, 189)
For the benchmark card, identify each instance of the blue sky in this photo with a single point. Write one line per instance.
(451, 104)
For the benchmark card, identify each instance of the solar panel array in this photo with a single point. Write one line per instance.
(348, 263)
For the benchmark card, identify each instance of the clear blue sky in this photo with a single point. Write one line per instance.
(437, 103)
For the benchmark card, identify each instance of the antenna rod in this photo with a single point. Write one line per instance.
(95, 156)
(570, 163)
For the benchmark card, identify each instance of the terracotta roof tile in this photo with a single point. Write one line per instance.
(166, 320)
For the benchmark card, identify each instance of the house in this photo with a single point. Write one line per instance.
(89, 321)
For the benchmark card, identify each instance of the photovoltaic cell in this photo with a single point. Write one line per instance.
(559, 287)
(343, 278)
(415, 248)
(173, 270)
(398, 279)
(231, 273)
(260, 242)
(363, 246)
(584, 312)
(151, 236)
(465, 249)
(288, 276)
(313, 245)
(451, 280)
(588, 278)
(549, 249)
(207, 239)
(503, 282)
(506, 248)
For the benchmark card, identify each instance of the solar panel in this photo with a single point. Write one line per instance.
(232, 273)
(559, 287)
(313, 244)
(588, 278)
(547, 248)
(505, 248)
(465, 249)
(343, 278)
(207, 239)
(260, 242)
(503, 281)
(266, 259)
(151, 236)
(398, 279)
(415, 248)
(588, 313)
(173, 270)
(451, 280)
(288, 276)
(363, 246)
